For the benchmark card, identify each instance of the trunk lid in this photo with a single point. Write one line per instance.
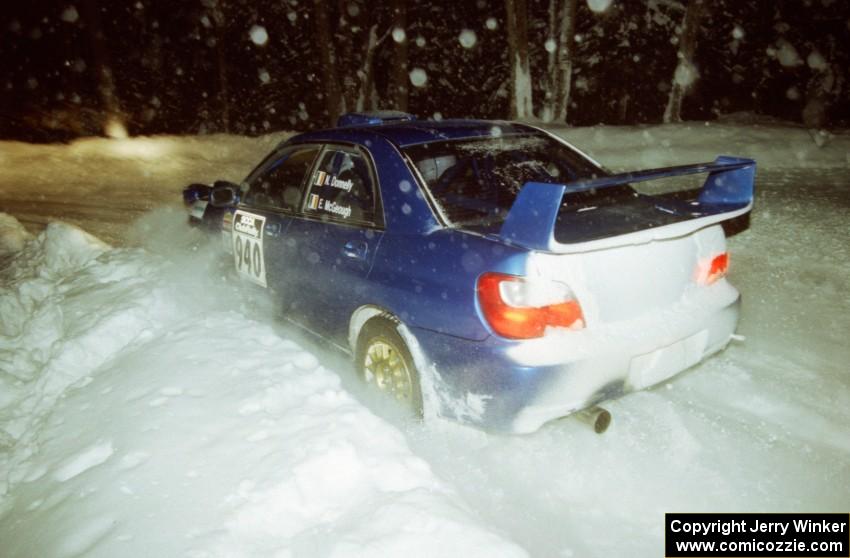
(624, 281)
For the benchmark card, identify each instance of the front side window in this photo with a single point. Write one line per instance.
(476, 181)
(342, 188)
(278, 185)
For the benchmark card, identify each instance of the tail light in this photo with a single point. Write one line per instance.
(710, 270)
(521, 308)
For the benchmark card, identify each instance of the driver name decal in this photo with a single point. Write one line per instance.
(325, 179)
(338, 209)
(248, 246)
(319, 204)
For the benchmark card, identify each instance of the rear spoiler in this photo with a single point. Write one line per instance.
(727, 193)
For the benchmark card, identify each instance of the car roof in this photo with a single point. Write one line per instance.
(415, 132)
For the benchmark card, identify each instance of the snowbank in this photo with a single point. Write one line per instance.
(144, 413)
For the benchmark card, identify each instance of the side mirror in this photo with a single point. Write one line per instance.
(195, 192)
(224, 194)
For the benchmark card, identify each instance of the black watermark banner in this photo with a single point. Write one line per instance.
(744, 535)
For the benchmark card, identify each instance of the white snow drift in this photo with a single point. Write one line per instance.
(144, 415)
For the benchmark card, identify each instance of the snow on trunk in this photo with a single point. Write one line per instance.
(560, 60)
(367, 95)
(685, 74)
(522, 106)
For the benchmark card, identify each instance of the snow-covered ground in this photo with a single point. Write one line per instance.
(149, 407)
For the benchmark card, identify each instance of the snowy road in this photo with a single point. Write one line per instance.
(302, 469)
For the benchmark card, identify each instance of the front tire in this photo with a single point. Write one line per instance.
(382, 359)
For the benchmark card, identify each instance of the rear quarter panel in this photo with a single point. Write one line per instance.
(429, 280)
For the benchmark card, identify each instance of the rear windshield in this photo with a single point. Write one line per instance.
(476, 181)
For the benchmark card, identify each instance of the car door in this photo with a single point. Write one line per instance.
(336, 237)
(274, 192)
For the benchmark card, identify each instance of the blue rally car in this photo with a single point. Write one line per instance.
(485, 271)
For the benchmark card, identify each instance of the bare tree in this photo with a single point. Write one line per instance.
(367, 94)
(685, 74)
(518, 58)
(559, 68)
(348, 56)
(218, 10)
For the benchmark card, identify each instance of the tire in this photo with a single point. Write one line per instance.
(383, 360)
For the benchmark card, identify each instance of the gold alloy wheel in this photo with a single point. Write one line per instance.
(385, 364)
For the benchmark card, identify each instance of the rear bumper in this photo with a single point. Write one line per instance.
(516, 386)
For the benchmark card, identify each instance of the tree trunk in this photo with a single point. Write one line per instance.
(347, 40)
(333, 97)
(685, 73)
(560, 60)
(399, 79)
(521, 92)
(220, 22)
(549, 84)
(113, 121)
(366, 95)
(565, 59)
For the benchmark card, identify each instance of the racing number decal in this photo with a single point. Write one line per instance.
(248, 246)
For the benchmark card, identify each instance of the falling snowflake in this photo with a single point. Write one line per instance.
(598, 6)
(787, 54)
(399, 35)
(467, 38)
(491, 23)
(816, 61)
(70, 14)
(418, 77)
(685, 74)
(259, 36)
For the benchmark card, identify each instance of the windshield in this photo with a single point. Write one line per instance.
(476, 181)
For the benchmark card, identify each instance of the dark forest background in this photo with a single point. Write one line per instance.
(250, 67)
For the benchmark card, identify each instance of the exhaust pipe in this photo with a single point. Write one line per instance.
(596, 417)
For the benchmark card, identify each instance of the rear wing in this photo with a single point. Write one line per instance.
(727, 193)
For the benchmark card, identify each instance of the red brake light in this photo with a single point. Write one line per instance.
(709, 271)
(520, 321)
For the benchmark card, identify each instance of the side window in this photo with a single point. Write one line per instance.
(278, 185)
(342, 188)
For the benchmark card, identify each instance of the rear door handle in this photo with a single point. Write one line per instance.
(355, 249)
